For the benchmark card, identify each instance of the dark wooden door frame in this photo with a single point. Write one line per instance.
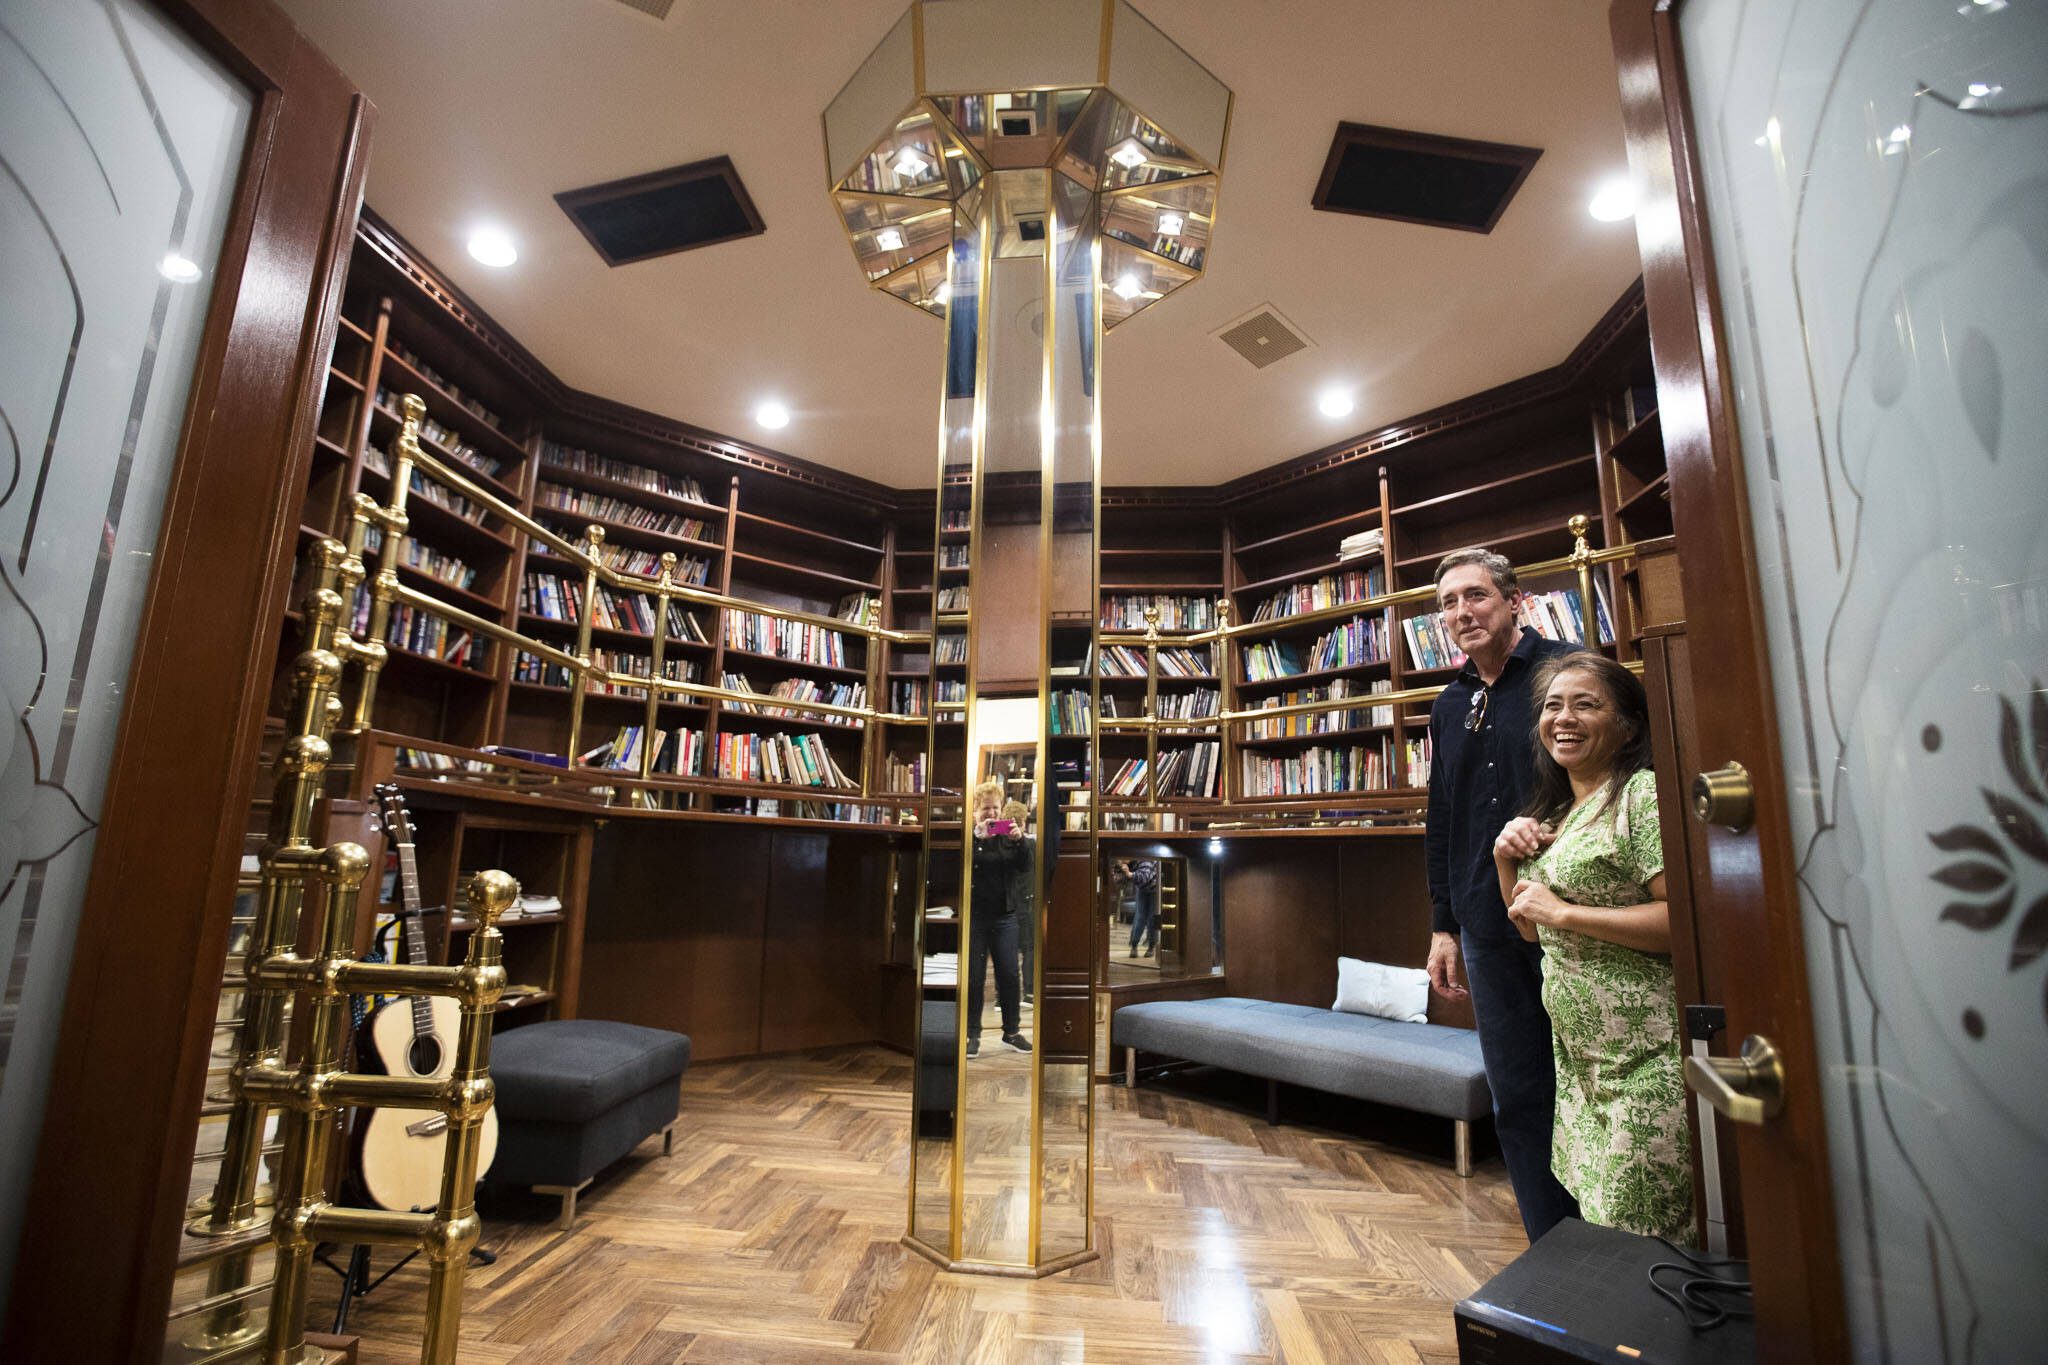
(1745, 885)
(100, 1236)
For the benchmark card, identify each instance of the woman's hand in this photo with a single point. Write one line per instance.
(1535, 904)
(1523, 838)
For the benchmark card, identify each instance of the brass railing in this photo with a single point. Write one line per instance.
(311, 1088)
(385, 590)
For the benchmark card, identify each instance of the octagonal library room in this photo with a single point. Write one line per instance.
(1022, 681)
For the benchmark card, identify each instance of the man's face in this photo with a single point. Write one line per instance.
(1474, 610)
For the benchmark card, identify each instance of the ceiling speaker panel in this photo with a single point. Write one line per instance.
(1263, 337)
(1421, 178)
(678, 209)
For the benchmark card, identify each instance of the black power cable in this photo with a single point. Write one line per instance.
(1695, 1289)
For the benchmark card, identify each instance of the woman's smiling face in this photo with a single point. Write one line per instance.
(1578, 726)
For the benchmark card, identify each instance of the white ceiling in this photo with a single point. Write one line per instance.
(487, 109)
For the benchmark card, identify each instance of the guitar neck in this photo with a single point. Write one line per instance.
(415, 934)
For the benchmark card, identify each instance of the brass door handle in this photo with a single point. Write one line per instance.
(1724, 796)
(1749, 1088)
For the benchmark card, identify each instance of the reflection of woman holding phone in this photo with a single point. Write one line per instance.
(1002, 869)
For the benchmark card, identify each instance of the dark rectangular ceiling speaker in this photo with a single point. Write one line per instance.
(1421, 178)
(663, 212)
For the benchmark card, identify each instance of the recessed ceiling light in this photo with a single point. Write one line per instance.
(772, 414)
(491, 246)
(1127, 286)
(1130, 154)
(1335, 403)
(1613, 201)
(1170, 224)
(889, 239)
(177, 269)
(911, 163)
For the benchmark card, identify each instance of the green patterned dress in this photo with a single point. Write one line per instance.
(1620, 1145)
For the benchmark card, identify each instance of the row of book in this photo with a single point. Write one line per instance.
(423, 633)
(442, 568)
(1415, 760)
(442, 496)
(1321, 722)
(1330, 590)
(798, 689)
(1069, 714)
(950, 647)
(690, 570)
(531, 668)
(954, 520)
(1361, 640)
(467, 402)
(1175, 661)
(1194, 704)
(449, 442)
(792, 640)
(1177, 611)
(861, 608)
(560, 599)
(620, 512)
(638, 476)
(1190, 771)
(675, 751)
(953, 599)
(903, 775)
(1342, 768)
(908, 698)
(952, 556)
(799, 760)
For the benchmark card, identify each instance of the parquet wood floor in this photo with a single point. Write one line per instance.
(771, 1234)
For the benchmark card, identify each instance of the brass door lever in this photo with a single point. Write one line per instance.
(1749, 1088)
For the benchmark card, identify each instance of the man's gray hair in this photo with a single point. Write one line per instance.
(1497, 567)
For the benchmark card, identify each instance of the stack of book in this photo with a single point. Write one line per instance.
(1361, 544)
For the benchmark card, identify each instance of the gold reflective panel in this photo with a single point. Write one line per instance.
(1058, 191)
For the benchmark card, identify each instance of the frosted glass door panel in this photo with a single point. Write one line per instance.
(1877, 190)
(120, 142)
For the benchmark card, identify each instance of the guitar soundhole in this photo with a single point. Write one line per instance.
(424, 1056)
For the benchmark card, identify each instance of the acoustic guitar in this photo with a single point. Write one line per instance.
(398, 1151)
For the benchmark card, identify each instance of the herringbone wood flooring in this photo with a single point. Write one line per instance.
(771, 1236)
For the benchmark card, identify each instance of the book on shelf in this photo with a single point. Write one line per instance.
(679, 751)
(1174, 661)
(690, 570)
(950, 647)
(1068, 713)
(575, 502)
(450, 442)
(1328, 590)
(1555, 615)
(1361, 640)
(903, 775)
(467, 402)
(800, 760)
(1416, 755)
(907, 697)
(797, 689)
(1190, 771)
(620, 471)
(860, 608)
(1321, 722)
(1339, 768)
(795, 641)
(1177, 611)
(1195, 704)
(422, 633)
(1362, 545)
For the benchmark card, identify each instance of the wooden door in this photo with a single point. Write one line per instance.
(1844, 269)
(130, 1006)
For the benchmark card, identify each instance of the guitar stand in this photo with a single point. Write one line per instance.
(355, 1276)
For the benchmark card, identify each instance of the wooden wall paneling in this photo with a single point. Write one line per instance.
(896, 1005)
(673, 934)
(1383, 911)
(108, 1192)
(1280, 920)
(821, 961)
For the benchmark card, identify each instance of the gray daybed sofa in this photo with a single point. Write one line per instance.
(1430, 1068)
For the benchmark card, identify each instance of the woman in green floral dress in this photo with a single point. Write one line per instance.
(1582, 871)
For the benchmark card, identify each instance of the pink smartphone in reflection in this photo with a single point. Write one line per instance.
(1002, 826)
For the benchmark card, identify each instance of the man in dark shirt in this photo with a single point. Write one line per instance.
(1482, 732)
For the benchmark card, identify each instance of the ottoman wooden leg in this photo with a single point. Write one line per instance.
(668, 1140)
(568, 1195)
(1462, 1140)
(1130, 1068)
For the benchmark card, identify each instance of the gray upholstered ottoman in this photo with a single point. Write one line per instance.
(575, 1095)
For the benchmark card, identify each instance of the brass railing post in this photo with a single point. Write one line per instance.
(654, 663)
(455, 1228)
(1152, 711)
(384, 586)
(1582, 564)
(594, 536)
(301, 770)
(1223, 665)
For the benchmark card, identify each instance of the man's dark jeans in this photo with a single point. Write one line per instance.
(1506, 979)
(997, 933)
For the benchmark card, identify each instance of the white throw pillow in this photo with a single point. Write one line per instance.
(1389, 992)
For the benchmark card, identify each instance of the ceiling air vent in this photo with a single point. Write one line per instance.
(664, 211)
(1262, 336)
(1420, 177)
(658, 8)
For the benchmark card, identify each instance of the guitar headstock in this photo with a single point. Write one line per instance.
(392, 813)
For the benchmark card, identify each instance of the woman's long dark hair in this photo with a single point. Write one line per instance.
(1551, 796)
